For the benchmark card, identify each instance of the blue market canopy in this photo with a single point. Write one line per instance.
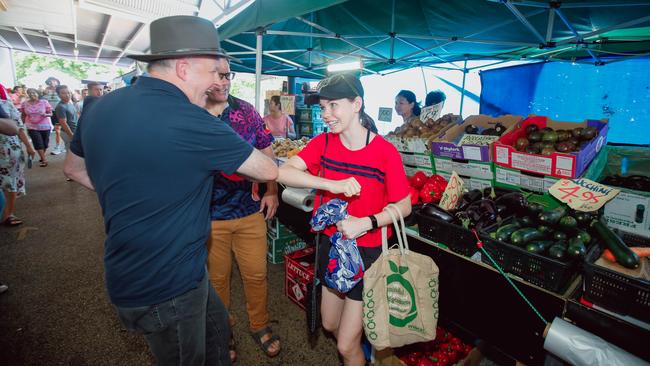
(301, 37)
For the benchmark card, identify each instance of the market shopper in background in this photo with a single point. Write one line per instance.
(407, 106)
(18, 96)
(356, 165)
(36, 115)
(278, 122)
(7, 128)
(95, 89)
(12, 161)
(66, 114)
(155, 191)
(239, 214)
(434, 98)
(52, 97)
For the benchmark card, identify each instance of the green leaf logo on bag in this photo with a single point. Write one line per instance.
(402, 306)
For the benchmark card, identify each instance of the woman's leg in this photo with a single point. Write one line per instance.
(348, 339)
(9, 205)
(331, 308)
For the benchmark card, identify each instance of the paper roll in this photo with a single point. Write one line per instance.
(299, 198)
(579, 347)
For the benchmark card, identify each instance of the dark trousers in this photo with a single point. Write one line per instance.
(190, 329)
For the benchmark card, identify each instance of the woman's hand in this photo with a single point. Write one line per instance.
(349, 187)
(354, 227)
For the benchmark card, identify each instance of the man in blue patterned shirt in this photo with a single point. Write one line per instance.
(238, 215)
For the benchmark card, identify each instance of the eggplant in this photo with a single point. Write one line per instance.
(469, 198)
(435, 211)
(515, 202)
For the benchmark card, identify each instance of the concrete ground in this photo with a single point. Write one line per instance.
(56, 311)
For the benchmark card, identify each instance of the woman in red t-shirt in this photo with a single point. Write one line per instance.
(352, 163)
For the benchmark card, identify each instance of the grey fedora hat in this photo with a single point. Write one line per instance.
(182, 35)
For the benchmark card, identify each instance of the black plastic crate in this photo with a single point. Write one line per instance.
(455, 237)
(615, 291)
(551, 274)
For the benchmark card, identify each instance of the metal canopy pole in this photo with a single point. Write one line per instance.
(575, 33)
(462, 94)
(428, 52)
(523, 20)
(392, 33)
(603, 30)
(549, 28)
(258, 69)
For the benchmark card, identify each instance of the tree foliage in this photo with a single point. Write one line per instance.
(28, 63)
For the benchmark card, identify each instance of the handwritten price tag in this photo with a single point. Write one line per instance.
(582, 194)
(452, 193)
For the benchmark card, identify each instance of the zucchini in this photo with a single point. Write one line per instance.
(559, 235)
(535, 208)
(525, 235)
(526, 221)
(584, 236)
(624, 256)
(576, 248)
(546, 230)
(583, 218)
(558, 250)
(539, 246)
(568, 222)
(505, 231)
(551, 217)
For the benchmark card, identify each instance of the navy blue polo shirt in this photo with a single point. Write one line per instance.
(152, 156)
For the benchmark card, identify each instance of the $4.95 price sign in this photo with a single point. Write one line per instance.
(452, 193)
(582, 194)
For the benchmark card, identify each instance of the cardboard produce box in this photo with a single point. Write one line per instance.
(466, 168)
(283, 245)
(629, 210)
(557, 164)
(470, 182)
(416, 144)
(275, 229)
(528, 182)
(447, 144)
(299, 271)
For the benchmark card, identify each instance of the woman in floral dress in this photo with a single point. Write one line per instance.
(12, 162)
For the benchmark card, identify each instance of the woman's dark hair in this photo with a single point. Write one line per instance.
(366, 120)
(410, 97)
(435, 97)
(276, 100)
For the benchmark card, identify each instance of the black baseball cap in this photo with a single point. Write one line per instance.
(340, 86)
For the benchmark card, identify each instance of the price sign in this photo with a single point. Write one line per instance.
(385, 114)
(452, 193)
(469, 139)
(582, 194)
(288, 103)
(431, 112)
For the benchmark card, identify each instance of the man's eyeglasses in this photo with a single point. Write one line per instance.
(226, 75)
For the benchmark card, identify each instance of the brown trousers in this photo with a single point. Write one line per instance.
(246, 238)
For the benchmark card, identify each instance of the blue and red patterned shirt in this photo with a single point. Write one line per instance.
(232, 198)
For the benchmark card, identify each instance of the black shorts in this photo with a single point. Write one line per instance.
(368, 255)
(40, 138)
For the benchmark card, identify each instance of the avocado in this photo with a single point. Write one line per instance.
(550, 136)
(588, 133)
(535, 136)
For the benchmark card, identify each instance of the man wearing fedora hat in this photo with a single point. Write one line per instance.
(154, 182)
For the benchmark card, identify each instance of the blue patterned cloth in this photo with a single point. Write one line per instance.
(345, 267)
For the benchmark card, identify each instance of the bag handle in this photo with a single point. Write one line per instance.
(400, 239)
(402, 229)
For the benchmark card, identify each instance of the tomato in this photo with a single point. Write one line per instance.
(455, 340)
(415, 196)
(439, 358)
(425, 361)
(418, 180)
(437, 179)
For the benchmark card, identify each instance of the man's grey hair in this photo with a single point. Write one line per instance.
(168, 63)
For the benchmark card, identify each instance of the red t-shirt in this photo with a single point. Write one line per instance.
(377, 167)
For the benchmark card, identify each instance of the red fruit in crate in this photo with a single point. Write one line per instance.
(413, 358)
(425, 361)
(467, 349)
(415, 196)
(437, 179)
(455, 340)
(418, 180)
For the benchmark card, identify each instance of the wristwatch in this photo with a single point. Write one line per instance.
(373, 219)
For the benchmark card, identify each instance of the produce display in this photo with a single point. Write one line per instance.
(558, 234)
(497, 130)
(426, 189)
(445, 350)
(286, 148)
(425, 130)
(546, 141)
